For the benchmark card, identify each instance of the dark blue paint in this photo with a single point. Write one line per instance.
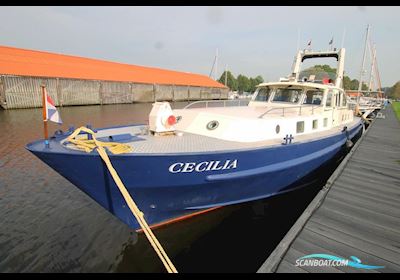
(161, 195)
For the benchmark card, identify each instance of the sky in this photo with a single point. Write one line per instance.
(250, 40)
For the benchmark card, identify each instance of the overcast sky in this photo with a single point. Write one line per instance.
(250, 40)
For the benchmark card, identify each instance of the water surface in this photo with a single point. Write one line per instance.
(48, 225)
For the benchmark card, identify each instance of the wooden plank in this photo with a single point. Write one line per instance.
(386, 171)
(343, 250)
(2, 93)
(304, 245)
(364, 224)
(376, 194)
(356, 199)
(358, 231)
(384, 190)
(351, 210)
(354, 241)
(288, 268)
(354, 173)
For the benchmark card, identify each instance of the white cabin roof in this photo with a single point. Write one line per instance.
(300, 84)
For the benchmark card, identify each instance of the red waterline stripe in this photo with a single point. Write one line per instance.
(181, 218)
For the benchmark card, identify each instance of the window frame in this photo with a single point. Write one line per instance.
(269, 96)
(286, 102)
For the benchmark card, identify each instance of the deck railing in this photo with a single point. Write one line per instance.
(224, 103)
(290, 107)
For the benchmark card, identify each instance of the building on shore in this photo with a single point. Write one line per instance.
(72, 80)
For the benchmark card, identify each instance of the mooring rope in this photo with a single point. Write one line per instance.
(118, 148)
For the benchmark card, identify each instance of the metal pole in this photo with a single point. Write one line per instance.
(372, 66)
(362, 65)
(45, 129)
(298, 39)
(343, 36)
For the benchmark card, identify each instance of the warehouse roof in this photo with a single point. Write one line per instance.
(23, 62)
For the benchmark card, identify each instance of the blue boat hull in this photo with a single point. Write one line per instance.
(163, 195)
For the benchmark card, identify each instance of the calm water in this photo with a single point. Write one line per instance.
(48, 225)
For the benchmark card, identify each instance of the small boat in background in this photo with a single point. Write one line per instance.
(211, 154)
(366, 102)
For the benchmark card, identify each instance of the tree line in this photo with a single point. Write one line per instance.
(394, 91)
(322, 70)
(242, 83)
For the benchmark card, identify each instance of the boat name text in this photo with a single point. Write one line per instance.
(188, 167)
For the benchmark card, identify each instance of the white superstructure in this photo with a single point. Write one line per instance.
(276, 110)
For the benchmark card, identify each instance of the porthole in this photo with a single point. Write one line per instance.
(277, 129)
(212, 125)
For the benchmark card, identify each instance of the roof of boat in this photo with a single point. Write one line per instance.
(300, 84)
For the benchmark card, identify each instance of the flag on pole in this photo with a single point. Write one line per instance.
(51, 110)
(309, 45)
(331, 41)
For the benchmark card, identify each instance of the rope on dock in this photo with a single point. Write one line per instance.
(118, 148)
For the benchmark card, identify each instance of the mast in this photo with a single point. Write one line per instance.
(377, 74)
(214, 70)
(362, 64)
(371, 75)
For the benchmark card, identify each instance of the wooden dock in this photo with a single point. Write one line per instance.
(357, 213)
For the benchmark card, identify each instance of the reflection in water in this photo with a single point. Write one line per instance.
(48, 225)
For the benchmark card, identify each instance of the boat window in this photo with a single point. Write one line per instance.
(291, 95)
(337, 98)
(344, 100)
(313, 96)
(325, 122)
(263, 94)
(315, 124)
(300, 127)
(328, 102)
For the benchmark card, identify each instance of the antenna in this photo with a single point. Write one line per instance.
(343, 36)
(298, 39)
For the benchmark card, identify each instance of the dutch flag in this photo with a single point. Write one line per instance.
(51, 110)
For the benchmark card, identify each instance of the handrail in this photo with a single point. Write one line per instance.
(216, 101)
(288, 107)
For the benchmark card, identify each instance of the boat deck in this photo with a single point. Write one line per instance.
(357, 212)
(188, 142)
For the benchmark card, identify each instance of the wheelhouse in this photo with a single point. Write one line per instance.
(297, 94)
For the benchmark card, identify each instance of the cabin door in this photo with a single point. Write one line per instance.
(335, 107)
